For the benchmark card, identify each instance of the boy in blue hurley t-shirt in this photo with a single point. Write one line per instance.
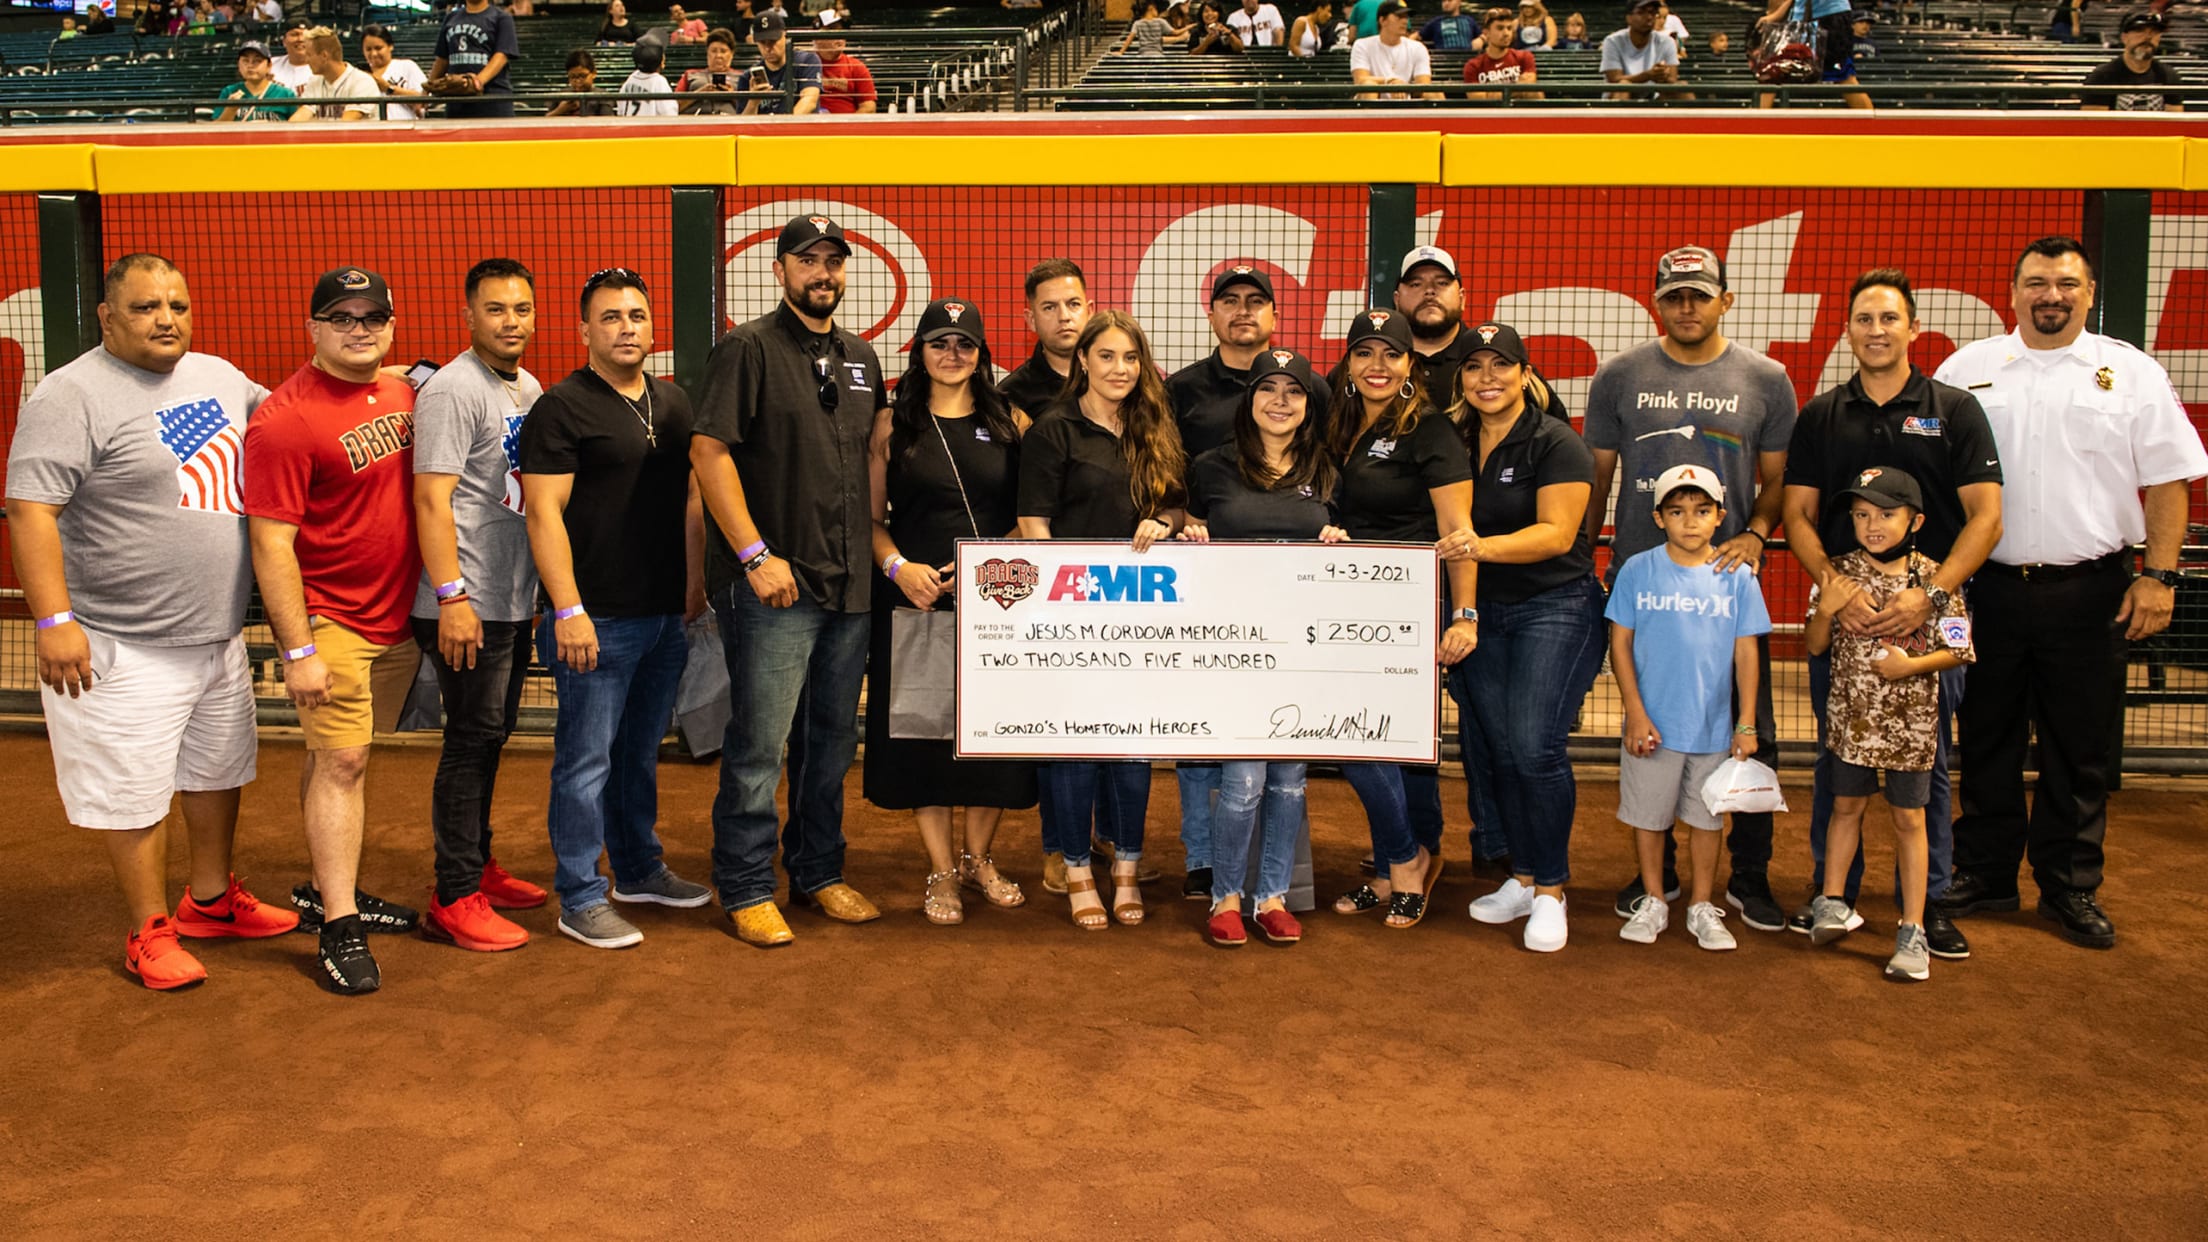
(1682, 634)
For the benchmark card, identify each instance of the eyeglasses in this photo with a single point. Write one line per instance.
(374, 321)
(603, 275)
(830, 397)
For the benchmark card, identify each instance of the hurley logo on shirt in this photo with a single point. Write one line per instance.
(1650, 601)
(377, 439)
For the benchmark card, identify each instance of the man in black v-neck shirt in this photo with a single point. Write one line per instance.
(1057, 309)
(780, 453)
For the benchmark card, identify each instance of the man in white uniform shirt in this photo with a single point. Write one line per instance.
(334, 79)
(1258, 24)
(294, 67)
(2085, 424)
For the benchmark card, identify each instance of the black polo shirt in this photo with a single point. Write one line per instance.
(1205, 396)
(1936, 432)
(803, 467)
(1440, 374)
(1538, 452)
(1071, 472)
(1385, 482)
(1221, 498)
(1034, 385)
(625, 511)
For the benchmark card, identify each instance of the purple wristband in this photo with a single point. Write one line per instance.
(567, 613)
(458, 586)
(63, 617)
(757, 546)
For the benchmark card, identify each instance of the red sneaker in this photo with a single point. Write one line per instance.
(235, 913)
(1225, 929)
(472, 924)
(1279, 926)
(154, 954)
(504, 892)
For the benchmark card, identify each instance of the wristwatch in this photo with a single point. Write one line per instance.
(2167, 577)
(1938, 595)
(1466, 614)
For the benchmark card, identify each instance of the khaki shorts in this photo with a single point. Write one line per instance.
(369, 683)
(1656, 788)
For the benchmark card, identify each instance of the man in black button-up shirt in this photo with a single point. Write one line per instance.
(1057, 309)
(780, 453)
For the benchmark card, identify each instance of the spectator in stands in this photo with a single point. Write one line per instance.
(1313, 32)
(1863, 20)
(203, 19)
(519, 8)
(395, 76)
(152, 18)
(1178, 20)
(1364, 18)
(646, 79)
(716, 83)
(846, 84)
(1720, 43)
(777, 61)
(617, 28)
(1574, 38)
(1392, 57)
(254, 82)
(582, 75)
(97, 20)
(1640, 52)
(1453, 31)
(1258, 24)
(1211, 35)
(1500, 60)
(1836, 51)
(476, 44)
(1536, 29)
(293, 67)
(2068, 21)
(264, 13)
(68, 29)
(745, 20)
(2137, 67)
(1669, 23)
(334, 80)
(687, 29)
(1146, 34)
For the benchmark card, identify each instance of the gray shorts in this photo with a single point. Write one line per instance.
(1908, 790)
(1663, 786)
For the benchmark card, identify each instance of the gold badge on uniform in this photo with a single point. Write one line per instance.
(2106, 378)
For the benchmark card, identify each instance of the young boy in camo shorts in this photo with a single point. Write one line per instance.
(1881, 719)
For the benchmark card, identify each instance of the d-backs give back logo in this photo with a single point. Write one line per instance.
(1005, 583)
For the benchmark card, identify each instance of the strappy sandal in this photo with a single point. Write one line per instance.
(994, 889)
(1086, 918)
(943, 908)
(1410, 907)
(1359, 900)
(1128, 912)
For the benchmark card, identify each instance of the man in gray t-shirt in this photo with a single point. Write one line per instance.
(1690, 397)
(478, 594)
(127, 521)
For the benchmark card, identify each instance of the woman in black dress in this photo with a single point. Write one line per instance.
(944, 466)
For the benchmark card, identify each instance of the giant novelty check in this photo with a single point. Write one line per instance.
(1070, 649)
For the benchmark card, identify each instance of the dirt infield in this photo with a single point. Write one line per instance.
(1016, 1077)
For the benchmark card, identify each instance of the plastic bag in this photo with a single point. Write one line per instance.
(1787, 53)
(1742, 785)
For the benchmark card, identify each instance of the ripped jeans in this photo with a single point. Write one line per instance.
(1247, 787)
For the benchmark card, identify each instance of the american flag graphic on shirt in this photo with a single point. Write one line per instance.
(210, 455)
(512, 444)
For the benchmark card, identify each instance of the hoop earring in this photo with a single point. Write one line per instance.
(1406, 390)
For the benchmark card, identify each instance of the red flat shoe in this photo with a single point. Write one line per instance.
(1279, 926)
(1225, 929)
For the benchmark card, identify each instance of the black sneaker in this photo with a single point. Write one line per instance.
(1632, 893)
(1196, 885)
(1945, 938)
(376, 914)
(1751, 895)
(348, 968)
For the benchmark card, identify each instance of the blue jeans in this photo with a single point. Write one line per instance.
(1245, 787)
(1199, 790)
(605, 752)
(1523, 686)
(793, 680)
(1114, 796)
(1939, 813)
(1380, 786)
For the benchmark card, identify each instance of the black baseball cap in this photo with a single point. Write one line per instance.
(1635, 6)
(250, 48)
(1288, 362)
(346, 283)
(769, 28)
(949, 317)
(1394, 327)
(1242, 274)
(1887, 488)
(803, 231)
(2144, 19)
(1499, 338)
(1389, 8)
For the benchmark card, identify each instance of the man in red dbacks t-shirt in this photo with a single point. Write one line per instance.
(1499, 30)
(329, 478)
(846, 84)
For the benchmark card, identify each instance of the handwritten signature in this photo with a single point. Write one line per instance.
(1287, 722)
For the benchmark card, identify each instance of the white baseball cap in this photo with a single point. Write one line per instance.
(1426, 254)
(1701, 478)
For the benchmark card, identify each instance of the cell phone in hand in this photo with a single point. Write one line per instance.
(419, 373)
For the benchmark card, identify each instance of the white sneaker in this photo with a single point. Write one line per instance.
(1707, 922)
(1649, 919)
(1508, 904)
(1545, 930)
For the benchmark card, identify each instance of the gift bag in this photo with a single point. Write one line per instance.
(1742, 785)
(923, 674)
(1787, 53)
(701, 697)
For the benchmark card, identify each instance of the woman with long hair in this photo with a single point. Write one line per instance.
(943, 465)
(1536, 29)
(1405, 478)
(1274, 480)
(1308, 37)
(1104, 462)
(1543, 631)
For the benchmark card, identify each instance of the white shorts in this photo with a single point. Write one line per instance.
(157, 721)
(1656, 788)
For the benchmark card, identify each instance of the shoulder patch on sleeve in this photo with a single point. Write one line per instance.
(1955, 632)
